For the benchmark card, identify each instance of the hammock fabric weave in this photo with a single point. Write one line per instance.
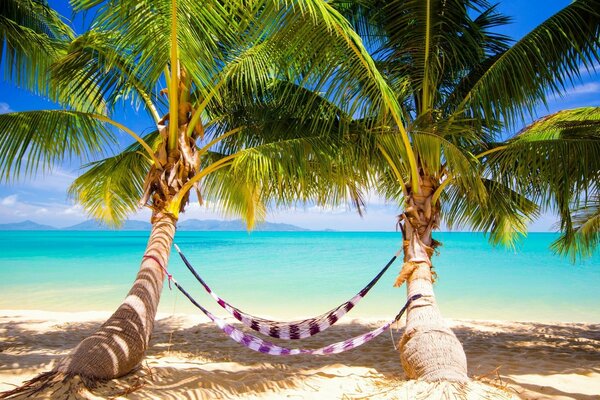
(264, 346)
(289, 330)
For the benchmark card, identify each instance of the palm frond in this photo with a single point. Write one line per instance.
(432, 43)
(364, 16)
(325, 43)
(37, 140)
(32, 35)
(547, 60)
(285, 173)
(438, 158)
(576, 122)
(205, 30)
(111, 188)
(554, 160)
(503, 213)
(234, 197)
(37, 16)
(582, 235)
(283, 110)
(93, 72)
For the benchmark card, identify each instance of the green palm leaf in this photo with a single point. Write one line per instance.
(143, 31)
(111, 188)
(94, 73)
(283, 173)
(554, 159)
(582, 235)
(503, 213)
(556, 162)
(37, 140)
(544, 61)
(32, 35)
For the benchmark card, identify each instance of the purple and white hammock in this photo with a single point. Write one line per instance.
(264, 346)
(294, 329)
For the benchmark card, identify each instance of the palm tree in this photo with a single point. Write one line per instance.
(234, 78)
(460, 86)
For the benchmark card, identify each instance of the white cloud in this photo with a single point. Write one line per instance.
(372, 198)
(9, 200)
(376, 218)
(594, 69)
(327, 209)
(76, 209)
(209, 210)
(57, 214)
(57, 180)
(380, 215)
(5, 108)
(547, 222)
(586, 88)
(143, 214)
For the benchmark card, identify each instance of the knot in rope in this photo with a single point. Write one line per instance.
(167, 274)
(410, 300)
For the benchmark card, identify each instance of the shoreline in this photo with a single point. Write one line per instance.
(200, 318)
(190, 356)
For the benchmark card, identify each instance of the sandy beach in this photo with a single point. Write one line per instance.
(190, 358)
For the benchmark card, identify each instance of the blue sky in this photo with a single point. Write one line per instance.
(44, 199)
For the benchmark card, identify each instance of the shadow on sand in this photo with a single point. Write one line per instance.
(201, 362)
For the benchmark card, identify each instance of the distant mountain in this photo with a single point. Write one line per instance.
(92, 225)
(235, 225)
(133, 225)
(26, 226)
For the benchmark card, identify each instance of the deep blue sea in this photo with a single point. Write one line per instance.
(297, 274)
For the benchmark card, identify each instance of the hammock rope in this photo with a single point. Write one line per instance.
(264, 346)
(295, 329)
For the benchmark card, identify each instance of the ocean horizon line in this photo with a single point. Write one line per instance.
(93, 225)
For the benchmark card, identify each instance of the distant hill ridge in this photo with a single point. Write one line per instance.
(134, 225)
(92, 225)
(26, 226)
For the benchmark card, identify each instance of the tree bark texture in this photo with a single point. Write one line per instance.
(119, 345)
(429, 350)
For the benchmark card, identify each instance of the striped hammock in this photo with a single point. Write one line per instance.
(264, 346)
(295, 329)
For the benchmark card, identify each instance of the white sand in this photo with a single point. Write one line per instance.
(190, 358)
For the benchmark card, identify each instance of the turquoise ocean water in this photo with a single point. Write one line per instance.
(296, 274)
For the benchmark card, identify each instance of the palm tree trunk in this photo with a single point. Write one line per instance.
(429, 350)
(119, 345)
